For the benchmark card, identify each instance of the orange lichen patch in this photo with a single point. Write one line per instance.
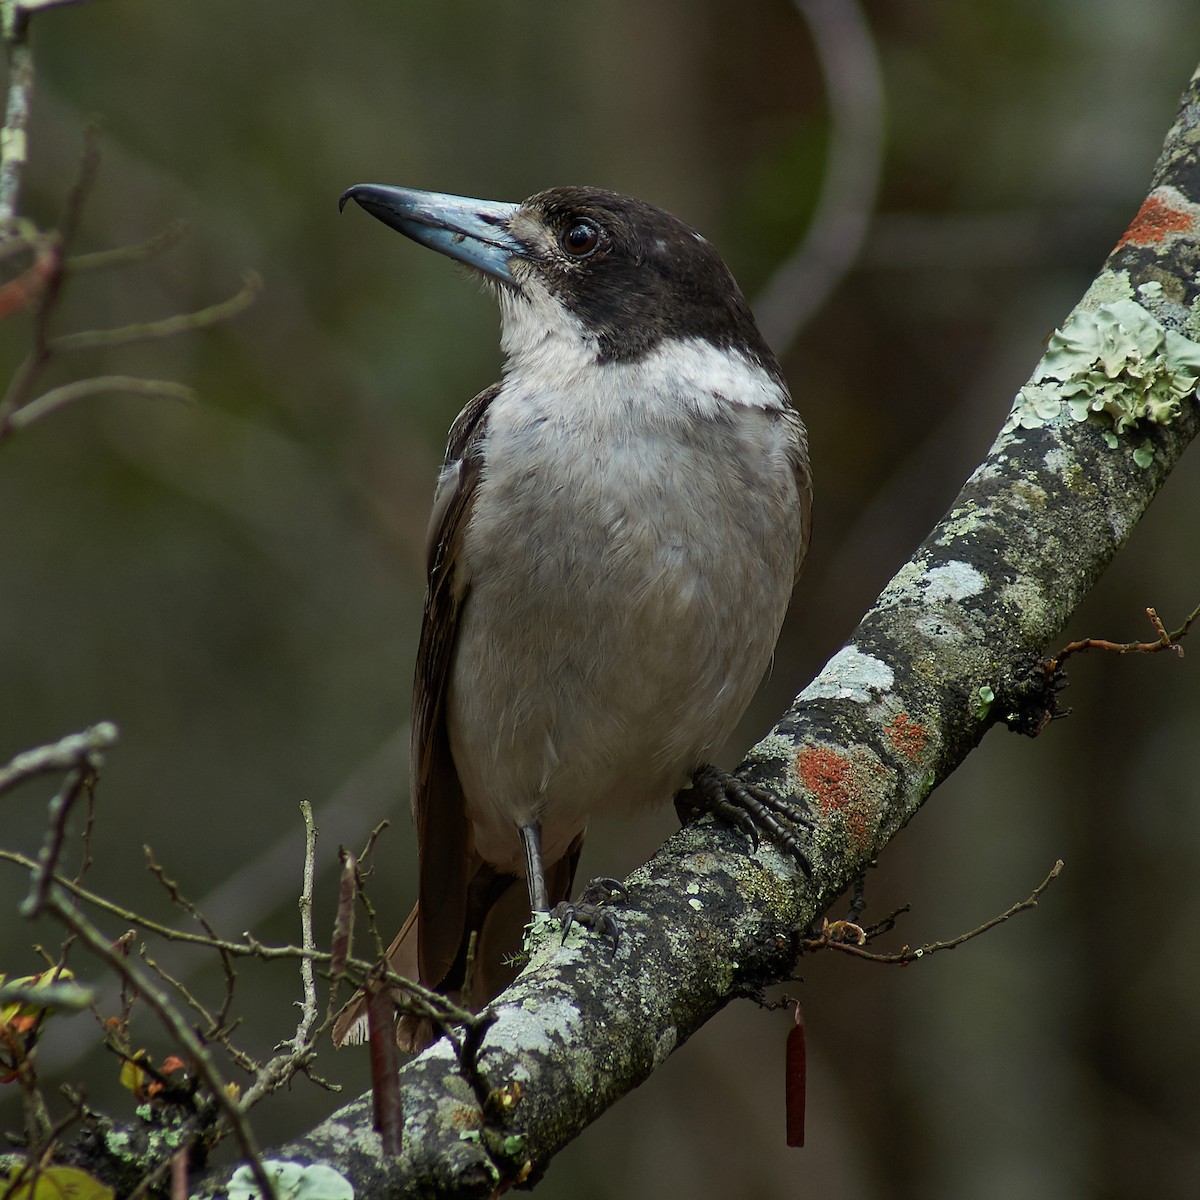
(1154, 221)
(844, 785)
(908, 737)
(462, 1117)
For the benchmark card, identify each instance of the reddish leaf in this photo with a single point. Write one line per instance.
(26, 289)
(343, 926)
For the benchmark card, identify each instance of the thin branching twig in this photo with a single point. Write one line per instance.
(124, 256)
(166, 327)
(181, 901)
(97, 385)
(126, 969)
(84, 749)
(299, 1050)
(1164, 641)
(833, 935)
(853, 79)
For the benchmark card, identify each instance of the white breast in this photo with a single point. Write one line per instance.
(629, 561)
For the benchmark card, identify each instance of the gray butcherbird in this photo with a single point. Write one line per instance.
(615, 536)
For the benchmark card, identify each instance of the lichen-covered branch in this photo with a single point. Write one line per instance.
(14, 29)
(949, 649)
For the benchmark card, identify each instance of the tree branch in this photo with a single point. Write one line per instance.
(950, 648)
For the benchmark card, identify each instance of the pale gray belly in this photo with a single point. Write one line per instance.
(622, 609)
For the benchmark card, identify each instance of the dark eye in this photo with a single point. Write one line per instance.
(580, 238)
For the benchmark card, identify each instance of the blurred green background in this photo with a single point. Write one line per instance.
(237, 583)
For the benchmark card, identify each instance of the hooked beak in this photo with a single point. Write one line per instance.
(474, 232)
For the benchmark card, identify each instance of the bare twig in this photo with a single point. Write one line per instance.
(73, 786)
(41, 285)
(127, 970)
(32, 6)
(81, 185)
(84, 749)
(99, 385)
(179, 899)
(307, 940)
(832, 933)
(124, 256)
(1164, 641)
(422, 1002)
(85, 837)
(216, 1031)
(23, 380)
(299, 1049)
(148, 331)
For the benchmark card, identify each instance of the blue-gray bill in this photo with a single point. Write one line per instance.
(472, 231)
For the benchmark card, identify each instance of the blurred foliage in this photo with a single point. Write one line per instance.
(237, 582)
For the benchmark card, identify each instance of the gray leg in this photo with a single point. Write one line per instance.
(535, 872)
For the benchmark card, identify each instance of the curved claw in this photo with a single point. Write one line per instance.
(591, 915)
(751, 809)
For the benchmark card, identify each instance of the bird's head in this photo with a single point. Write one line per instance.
(612, 275)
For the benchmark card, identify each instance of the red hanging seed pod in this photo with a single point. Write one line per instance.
(385, 1067)
(795, 1080)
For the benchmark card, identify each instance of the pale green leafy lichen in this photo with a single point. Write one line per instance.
(1192, 323)
(984, 698)
(293, 1181)
(1117, 360)
(1106, 288)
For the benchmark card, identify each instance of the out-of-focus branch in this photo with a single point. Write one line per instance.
(148, 331)
(98, 385)
(13, 145)
(74, 750)
(38, 286)
(125, 256)
(854, 85)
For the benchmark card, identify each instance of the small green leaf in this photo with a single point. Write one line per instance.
(59, 1183)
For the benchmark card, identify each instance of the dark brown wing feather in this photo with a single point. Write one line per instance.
(798, 455)
(443, 834)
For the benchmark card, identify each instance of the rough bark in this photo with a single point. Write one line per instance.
(950, 648)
